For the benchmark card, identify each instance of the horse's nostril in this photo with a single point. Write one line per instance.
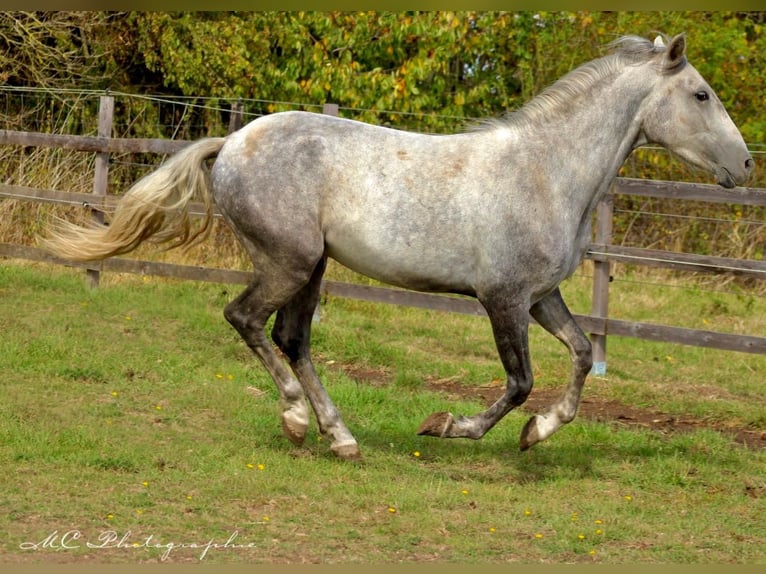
(749, 163)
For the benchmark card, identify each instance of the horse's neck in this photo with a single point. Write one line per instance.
(588, 145)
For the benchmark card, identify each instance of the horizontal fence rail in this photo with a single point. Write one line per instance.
(98, 144)
(601, 252)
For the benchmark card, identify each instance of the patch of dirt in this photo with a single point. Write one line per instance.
(592, 408)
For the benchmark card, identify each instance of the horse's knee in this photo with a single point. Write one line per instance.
(519, 391)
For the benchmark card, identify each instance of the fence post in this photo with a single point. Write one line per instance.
(601, 279)
(235, 119)
(101, 174)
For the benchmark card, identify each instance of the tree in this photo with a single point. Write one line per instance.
(461, 64)
(54, 49)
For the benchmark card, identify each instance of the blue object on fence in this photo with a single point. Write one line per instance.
(599, 369)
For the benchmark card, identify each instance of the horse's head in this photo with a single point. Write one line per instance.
(684, 115)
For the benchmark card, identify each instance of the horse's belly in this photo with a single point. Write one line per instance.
(415, 267)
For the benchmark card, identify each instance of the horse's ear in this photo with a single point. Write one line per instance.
(676, 52)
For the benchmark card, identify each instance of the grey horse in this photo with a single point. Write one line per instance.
(500, 212)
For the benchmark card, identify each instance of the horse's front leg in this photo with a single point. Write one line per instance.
(554, 316)
(510, 325)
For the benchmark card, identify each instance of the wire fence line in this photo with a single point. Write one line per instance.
(692, 265)
(191, 101)
(690, 217)
(212, 104)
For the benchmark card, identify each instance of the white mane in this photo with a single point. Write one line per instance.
(556, 99)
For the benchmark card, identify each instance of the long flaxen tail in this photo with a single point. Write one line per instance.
(155, 209)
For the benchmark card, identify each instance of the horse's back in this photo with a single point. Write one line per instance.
(387, 202)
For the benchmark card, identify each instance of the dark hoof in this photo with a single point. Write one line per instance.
(437, 424)
(529, 435)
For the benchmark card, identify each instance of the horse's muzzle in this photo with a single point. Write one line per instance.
(730, 179)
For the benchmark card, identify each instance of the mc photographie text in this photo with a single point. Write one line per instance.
(110, 539)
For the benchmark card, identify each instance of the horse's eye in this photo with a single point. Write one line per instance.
(702, 96)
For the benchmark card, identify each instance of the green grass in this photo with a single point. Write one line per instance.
(136, 409)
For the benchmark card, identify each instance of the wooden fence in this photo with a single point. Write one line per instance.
(602, 252)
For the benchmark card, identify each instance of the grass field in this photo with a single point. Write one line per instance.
(135, 426)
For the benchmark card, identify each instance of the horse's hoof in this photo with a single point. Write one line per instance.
(294, 430)
(437, 424)
(347, 451)
(530, 435)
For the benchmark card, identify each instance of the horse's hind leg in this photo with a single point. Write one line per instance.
(248, 314)
(553, 315)
(292, 333)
